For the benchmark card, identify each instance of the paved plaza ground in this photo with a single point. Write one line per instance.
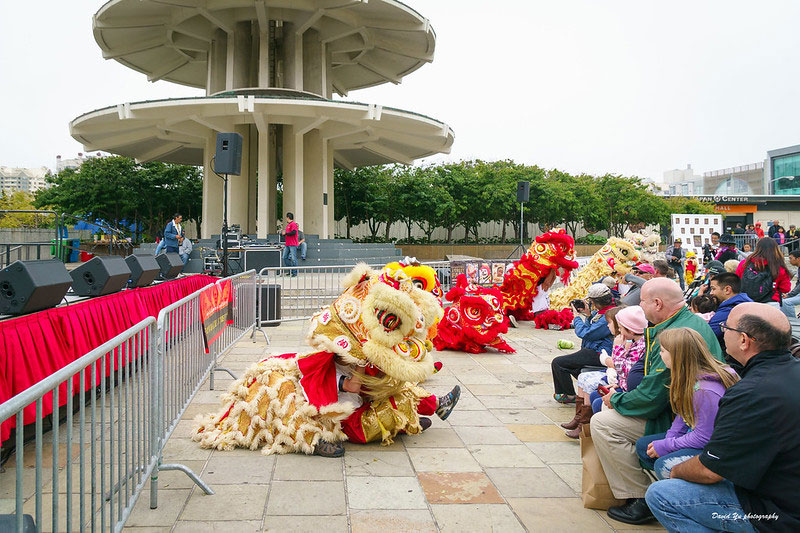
(499, 463)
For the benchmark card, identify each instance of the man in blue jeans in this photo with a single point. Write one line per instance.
(748, 475)
(290, 232)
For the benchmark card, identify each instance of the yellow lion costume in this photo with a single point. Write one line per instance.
(615, 258)
(379, 330)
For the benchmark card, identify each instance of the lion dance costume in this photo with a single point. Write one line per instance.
(381, 325)
(615, 258)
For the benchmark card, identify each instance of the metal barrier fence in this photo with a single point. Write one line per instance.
(104, 400)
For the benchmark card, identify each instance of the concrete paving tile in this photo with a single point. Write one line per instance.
(212, 397)
(556, 452)
(301, 467)
(183, 430)
(175, 479)
(477, 378)
(485, 435)
(521, 401)
(7, 505)
(492, 390)
(433, 438)
(458, 487)
(443, 460)
(195, 409)
(558, 414)
(304, 524)
(307, 497)
(520, 416)
(170, 504)
(385, 493)
(556, 514)
(223, 469)
(528, 483)
(628, 528)
(165, 529)
(378, 464)
(397, 446)
(477, 518)
(219, 526)
(177, 450)
(469, 403)
(538, 433)
(570, 473)
(381, 521)
(239, 502)
(473, 418)
(502, 456)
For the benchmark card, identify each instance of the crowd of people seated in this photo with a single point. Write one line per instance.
(691, 394)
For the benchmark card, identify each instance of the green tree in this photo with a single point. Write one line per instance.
(22, 201)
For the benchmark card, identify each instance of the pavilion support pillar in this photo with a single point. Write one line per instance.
(212, 194)
(313, 182)
(327, 208)
(239, 186)
(293, 170)
(267, 175)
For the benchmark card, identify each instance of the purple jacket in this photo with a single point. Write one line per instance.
(707, 392)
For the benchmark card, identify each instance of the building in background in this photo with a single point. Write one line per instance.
(783, 171)
(682, 182)
(23, 179)
(76, 162)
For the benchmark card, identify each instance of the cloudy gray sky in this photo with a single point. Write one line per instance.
(629, 86)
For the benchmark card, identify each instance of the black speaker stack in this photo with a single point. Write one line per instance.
(144, 270)
(171, 265)
(100, 276)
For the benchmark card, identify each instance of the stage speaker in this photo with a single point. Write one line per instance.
(144, 270)
(100, 276)
(228, 159)
(523, 191)
(170, 264)
(31, 286)
(271, 305)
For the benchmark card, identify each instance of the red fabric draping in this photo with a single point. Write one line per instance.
(33, 347)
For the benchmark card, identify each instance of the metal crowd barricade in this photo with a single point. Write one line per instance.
(92, 477)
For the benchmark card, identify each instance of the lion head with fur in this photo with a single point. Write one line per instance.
(383, 320)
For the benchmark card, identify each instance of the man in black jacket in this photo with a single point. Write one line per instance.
(748, 475)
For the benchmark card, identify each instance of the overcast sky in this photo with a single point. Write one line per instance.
(634, 87)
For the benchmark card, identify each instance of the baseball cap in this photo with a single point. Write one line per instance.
(644, 267)
(715, 267)
(678, 240)
(598, 290)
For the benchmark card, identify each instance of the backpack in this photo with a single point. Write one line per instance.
(758, 285)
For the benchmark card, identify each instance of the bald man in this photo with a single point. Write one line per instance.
(748, 476)
(644, 410)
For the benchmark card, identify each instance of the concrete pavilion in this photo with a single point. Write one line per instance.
(269, 69)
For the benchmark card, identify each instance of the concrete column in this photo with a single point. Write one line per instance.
(239, 186)
(252, 183)
(290, 48)
(212, 194)
(263, 56)
(242, 55)
(313, 65)
(313, 182)
(266, 180)
(217, 63)
(330, 223)
(293, 148)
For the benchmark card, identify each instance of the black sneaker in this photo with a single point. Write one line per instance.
(448, 402)
(329, 449)
(425, 422)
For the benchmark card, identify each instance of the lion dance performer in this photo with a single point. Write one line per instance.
(474, 321)
(615, 259)
(550, 257)
(371, 346)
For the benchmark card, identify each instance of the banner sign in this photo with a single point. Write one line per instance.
(485, 273)
(216, 311)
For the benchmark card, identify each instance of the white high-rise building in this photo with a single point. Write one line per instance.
(30, 180)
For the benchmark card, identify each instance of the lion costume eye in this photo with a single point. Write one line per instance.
(389, 321)
(418, 283)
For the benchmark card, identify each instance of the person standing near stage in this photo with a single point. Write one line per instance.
(675, 256)
(173, 234)
(290, 232)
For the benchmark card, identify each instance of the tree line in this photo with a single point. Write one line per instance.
(466, 194)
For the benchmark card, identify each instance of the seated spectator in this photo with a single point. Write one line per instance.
(725, 288)
(727, 249)
(745, 252)
(662, 269)
(738, 230)
(644, 410)
(592, 327)
(766, 259)
(704, 306)
(185, 249)
(748, 474)
(637, 277)
(731, 265)
(750, 230)
(792, 299)
(698, 383)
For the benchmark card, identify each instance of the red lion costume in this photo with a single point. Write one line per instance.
(551, 254)
(474, 321)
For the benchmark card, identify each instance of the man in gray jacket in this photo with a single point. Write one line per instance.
(675, 256)
(637, 277)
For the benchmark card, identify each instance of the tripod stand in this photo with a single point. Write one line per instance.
(224, 235)
(520, 247)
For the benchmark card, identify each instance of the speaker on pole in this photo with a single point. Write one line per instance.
(171, 265)
(144, 270)
(100, 276)
(523, 191)
(29, 286)
(228, 157)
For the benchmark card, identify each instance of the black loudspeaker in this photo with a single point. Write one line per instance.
(523, 191)
(271, 305)
(31, 286)
(144, 270)
(228, 159)
(170, 264)
(100, 276)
